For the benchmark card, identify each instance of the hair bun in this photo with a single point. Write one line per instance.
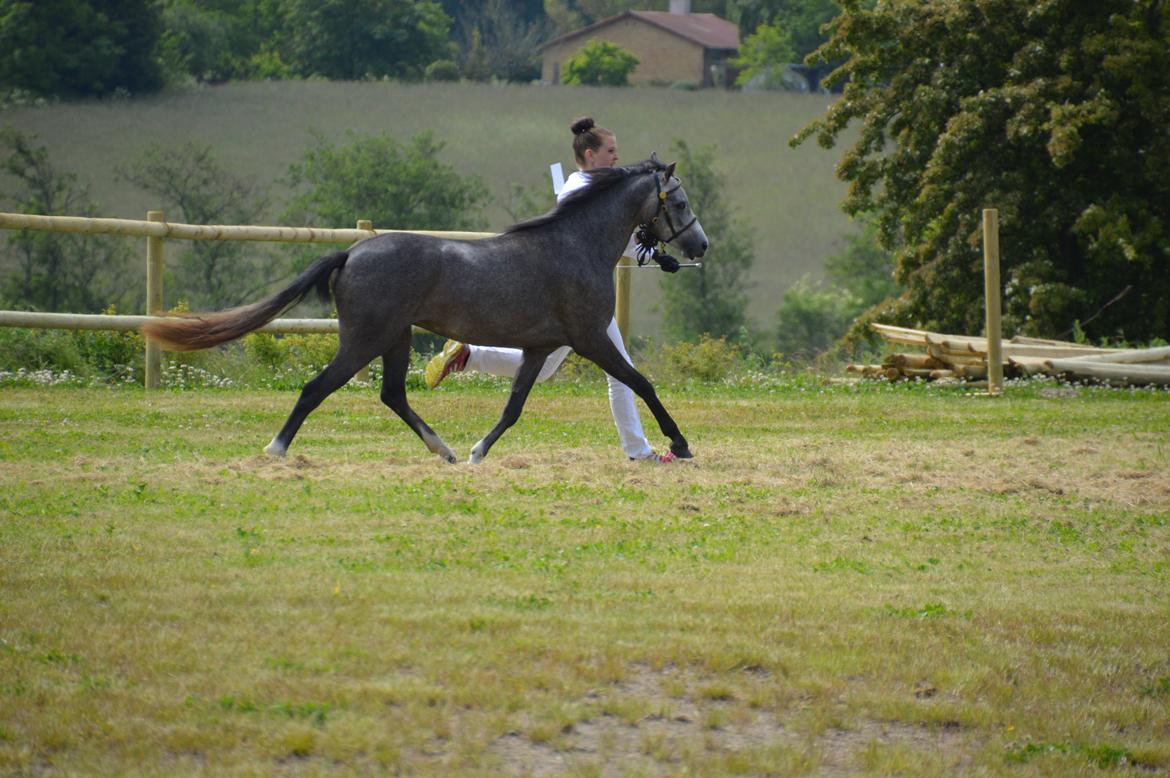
(584, 124)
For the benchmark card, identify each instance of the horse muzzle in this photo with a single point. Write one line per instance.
(693, 242)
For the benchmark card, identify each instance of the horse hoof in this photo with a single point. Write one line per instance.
(449, 457)
(274, 449)
(682, 452)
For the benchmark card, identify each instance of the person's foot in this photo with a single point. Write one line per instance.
(661, 459)
(452, 359)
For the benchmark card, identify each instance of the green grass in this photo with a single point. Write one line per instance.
(505, 134)
(846, 580)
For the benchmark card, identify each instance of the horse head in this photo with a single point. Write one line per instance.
(673, 219)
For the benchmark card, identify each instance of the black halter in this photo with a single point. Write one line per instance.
(648, 241)
(662, 209)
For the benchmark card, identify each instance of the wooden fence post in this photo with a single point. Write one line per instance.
(154, 299)
(622, 306)
(363, 375)
(991, 299)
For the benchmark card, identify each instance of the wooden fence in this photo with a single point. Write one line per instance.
(156, 230)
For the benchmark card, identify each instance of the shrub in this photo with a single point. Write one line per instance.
(599, 63)
(812, 317)
(763, 54)
(442, 70)
(106, 356)
(307, 353)
(708, 360)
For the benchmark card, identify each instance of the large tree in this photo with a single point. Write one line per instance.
(359, 39)
(1053, 112)
(79, 48)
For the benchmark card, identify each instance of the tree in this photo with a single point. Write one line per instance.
(55, 271)
(1054, 113)
(498, 41)
(397, 186)
(710, 300)
(763, 54)
(568, 15)
(359, 39)
(599, 63)
(800, 20)
(863, 269)
(216, 40)
(812, 317)
(78, 48)
(194, 187)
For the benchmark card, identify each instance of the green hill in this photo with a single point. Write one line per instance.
(505, 134)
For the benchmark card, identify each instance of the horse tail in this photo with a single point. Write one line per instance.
(189, 333)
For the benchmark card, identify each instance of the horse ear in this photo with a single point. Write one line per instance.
(654, 157)
(669, 174)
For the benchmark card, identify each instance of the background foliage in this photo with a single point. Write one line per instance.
(599, 63)
(1055, 113)
(710, 300)
(404, 185)
(74, 48)
(357, 39)
(52, 270)
(194, 187)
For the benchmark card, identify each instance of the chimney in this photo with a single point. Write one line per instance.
(680, 6)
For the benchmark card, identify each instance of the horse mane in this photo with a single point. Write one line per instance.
(601, 181)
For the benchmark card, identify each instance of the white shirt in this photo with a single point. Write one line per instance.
(576, 180)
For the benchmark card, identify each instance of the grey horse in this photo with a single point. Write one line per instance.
(541, 284)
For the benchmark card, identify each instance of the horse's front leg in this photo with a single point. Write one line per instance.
(606, 356)
(521, 385)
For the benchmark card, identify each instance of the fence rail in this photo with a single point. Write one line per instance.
(163, 229)
(156, 230)
(125, 323)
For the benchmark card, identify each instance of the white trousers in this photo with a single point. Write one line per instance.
(505, 362)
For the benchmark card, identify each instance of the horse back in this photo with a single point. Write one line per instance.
(505, 290)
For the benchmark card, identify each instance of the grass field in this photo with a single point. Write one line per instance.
(505, 134)
(846, 580)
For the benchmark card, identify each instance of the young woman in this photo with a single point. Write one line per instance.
(594, 147)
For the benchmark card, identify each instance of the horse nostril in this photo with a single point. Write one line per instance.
(703, 247)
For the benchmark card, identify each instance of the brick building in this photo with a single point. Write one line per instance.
(671, 46)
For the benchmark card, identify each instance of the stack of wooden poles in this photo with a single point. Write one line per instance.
(964, 358)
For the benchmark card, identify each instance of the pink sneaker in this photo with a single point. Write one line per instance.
(659, 458)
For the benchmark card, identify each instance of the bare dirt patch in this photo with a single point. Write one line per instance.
(685, 727)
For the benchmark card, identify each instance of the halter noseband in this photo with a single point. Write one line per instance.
(648, 241)
(662, 209)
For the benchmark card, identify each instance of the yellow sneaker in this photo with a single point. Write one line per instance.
(452, 359)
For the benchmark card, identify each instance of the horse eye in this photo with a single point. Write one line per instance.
(680, 206)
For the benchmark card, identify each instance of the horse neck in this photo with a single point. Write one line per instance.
(607, 225)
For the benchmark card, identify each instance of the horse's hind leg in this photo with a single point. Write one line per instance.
(394, 364)
(521, 386)
(606, 356)
(345, 363)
